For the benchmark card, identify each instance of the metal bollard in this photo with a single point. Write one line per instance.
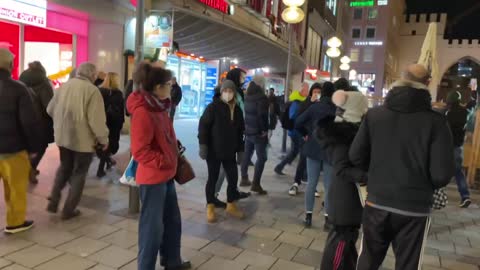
(133, 201)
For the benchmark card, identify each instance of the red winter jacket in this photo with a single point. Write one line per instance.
(153, 140)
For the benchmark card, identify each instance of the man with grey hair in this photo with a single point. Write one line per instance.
(79, 119)
(407, 150)
(19, 132)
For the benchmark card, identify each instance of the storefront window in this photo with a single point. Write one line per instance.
(332, 5)
(365, 82)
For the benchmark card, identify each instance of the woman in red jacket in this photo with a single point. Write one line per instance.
(154, 146)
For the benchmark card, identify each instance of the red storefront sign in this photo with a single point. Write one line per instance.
(133, 2)
(217, 4)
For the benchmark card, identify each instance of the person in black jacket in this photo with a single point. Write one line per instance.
(273, 112)
(256, 132)
(221, 138)
(345, 207)
(407, 149)
(114, 110)
(457, 120)
(321, 108)
(35, 77)
(19, 137)
(176, 97)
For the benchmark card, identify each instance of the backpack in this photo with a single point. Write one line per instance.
(285, 120)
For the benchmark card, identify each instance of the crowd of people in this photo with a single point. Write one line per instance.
(402, 151)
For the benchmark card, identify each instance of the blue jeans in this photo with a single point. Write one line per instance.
(259, 146)
(460, 175)
(314, 168)
(160, 226)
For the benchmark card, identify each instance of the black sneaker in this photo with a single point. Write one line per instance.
(308, 220)
(278, 171)
(68, 216)
(243, 195)
(183, 266)
(27, 225)
(465, 203)
(219, 204)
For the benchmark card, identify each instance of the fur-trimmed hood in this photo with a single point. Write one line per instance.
(408, 97)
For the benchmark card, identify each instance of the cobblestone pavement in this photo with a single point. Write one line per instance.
(272, 237)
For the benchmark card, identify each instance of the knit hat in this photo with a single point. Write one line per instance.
(354, 104)
(228, 84)
(454, 97)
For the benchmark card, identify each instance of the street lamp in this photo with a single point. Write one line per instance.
(344, 67)
(334, 42)
(333, 52)
(345, 60)
(292, 14)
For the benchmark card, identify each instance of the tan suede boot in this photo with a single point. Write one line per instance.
(211, 218)
(234, 211)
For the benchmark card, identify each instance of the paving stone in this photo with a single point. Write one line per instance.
(287, 265)
(295, 239)
(101, 267)
(194, 242)
(454, 265)
(33, 256)
(67, 261)
(9, 245)
(259, 245)
(83, 246)
(128, 224)
(288, 227)
(263, 232)
(286, 251)
(96, 231)
(441, 245)
(222, 250)
(256, 259)
(217, 263)
(113, 256)
(196, 257)
(318, 245)
(4, 263)
(308, 257)
(15, 267)
(122, 238)
(48, 238)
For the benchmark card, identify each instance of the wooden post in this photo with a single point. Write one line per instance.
(474, 152)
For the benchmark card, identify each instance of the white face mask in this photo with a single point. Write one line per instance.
(227, 97)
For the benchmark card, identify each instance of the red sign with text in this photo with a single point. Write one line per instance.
(217, 4)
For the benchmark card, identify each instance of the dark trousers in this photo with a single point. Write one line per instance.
(73, 170)
(460, 175)
(294, 151)
(301, 173)
(255, 144)
(36, 160)
(113, 146)
(160, 226)
(231, 171)
(340, 252)
(407, 234)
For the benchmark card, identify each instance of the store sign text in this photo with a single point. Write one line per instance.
(25, 12)
(220, 5)
(368, 43)
(367, 3)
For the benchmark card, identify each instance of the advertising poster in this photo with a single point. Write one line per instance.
(159, 30)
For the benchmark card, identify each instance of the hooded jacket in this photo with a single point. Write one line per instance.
(153, 141)
(19, 127)
(296, 100)
(344, 202)
(256, 111)
(305, 124)
(407, 149)
(43, 92)
(222, 134)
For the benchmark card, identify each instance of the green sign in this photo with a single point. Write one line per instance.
(368, 3)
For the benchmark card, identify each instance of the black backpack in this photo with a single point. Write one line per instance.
(285, 120)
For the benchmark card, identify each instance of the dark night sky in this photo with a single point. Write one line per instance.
(465, 27)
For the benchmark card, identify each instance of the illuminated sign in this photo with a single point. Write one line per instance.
(32, 12)
(364, 3)
(382, 2)
(368, 43)
(220, 5)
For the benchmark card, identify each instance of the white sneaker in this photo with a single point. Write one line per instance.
(317, 194)
(293, 190)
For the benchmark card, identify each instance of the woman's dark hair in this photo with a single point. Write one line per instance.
(328, 89)
(37, 65)
(342, 84)
(149, 76)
